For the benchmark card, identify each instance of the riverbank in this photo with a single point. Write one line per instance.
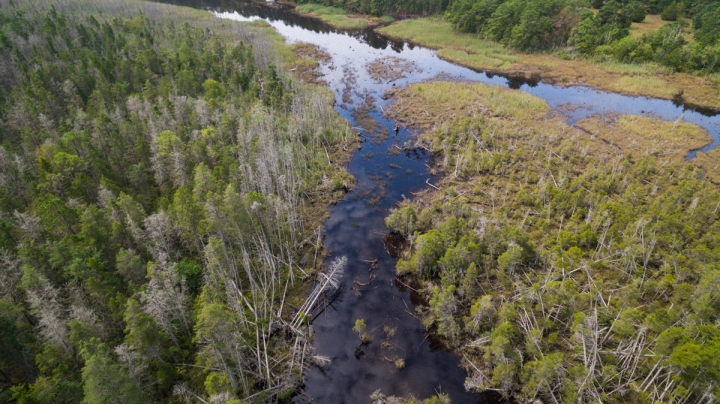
(542, 238)
(642, 80)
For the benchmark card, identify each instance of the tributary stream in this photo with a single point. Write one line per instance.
(355, 229)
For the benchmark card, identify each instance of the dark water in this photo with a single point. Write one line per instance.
(355, 228)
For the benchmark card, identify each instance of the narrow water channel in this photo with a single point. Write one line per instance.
(355, 229)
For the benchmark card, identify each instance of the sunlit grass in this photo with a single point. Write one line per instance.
(428, 104)
(476, 60)
(642, 84)
(634, 68)
(438, 33)
(464, 49)
(320, 9)
(335, 16)
(649, 136)
(652, 23)
(648, 79)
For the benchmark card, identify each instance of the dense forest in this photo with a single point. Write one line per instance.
(574, 265)
(161, 189)
(594, 28)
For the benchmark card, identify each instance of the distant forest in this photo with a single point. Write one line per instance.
(589, 28)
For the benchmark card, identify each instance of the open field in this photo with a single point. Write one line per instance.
(469, 50)
(652, 23)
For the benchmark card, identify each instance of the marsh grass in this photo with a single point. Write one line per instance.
(320, 9)
(436, 104)
(648, 136)
(634, 68)
(640, 84)
(473, 59)
(462, 48)
(336, 16)
(428, 104)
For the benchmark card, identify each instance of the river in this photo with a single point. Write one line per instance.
(369, 288)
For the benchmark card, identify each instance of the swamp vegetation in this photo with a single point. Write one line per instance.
(162, 185)
(567, 264)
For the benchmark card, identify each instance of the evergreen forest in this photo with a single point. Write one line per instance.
(161, 190)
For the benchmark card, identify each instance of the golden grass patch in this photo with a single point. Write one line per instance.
(648, 136)
(641, 84)
(305, 60)
(426, 105)
(337, 17)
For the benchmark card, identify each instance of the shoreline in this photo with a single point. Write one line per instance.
(693, 91)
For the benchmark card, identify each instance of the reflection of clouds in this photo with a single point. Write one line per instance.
(235, 16)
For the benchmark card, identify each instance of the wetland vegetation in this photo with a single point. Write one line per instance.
(569, 264)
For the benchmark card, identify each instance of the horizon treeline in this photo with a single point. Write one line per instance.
(156, 184)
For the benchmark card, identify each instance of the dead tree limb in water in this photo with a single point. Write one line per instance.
(329, 281)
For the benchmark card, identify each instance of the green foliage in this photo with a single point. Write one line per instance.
(359, 326)
(403, 221)
(538, 25)
(104, 380)
(670, 13)
(635, 11)
(129, 149)
(429, 248)
(586, 36)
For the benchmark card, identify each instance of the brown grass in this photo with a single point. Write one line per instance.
(426, 105)
(305, 61)
(389, 69)
(710, 162)
(647, 136)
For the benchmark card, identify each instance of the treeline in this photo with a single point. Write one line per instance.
(154, 179)
(385, 7)
(564, 269)
(539, 25)
(606, 34)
